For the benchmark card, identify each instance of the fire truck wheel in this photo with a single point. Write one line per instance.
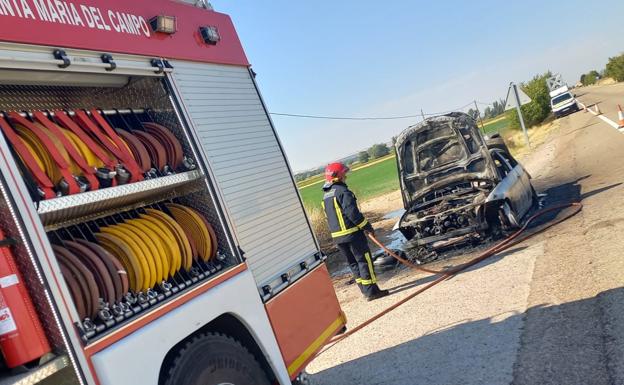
(214, 359)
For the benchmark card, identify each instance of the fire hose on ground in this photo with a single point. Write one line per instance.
(508, 242)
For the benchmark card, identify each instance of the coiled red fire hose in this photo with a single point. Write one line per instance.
(508, 242)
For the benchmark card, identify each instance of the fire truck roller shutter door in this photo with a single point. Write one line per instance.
(251, 195)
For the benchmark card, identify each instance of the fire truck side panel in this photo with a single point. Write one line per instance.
(248, 162)
(304, 317)
(141, 354)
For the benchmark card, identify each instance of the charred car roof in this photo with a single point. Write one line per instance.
(441, 151)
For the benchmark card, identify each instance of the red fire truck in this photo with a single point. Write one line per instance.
(150, 228)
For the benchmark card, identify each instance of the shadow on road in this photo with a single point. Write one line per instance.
(566, 193)
(593, 123)
(433, 277)
(563, 344)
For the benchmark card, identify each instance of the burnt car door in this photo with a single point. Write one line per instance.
(515, 185)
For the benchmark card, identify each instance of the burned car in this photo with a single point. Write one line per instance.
(456, 187)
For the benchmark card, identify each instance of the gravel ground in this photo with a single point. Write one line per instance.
(549, 311)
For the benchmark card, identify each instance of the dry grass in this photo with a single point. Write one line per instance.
(335, 261)
(606, 82)
(319, 225)
(537, 136)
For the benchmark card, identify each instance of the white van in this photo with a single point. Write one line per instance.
(563, 102)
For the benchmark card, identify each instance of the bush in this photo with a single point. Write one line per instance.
(538, 109)
(615, 68)
(363, 157)
(590, 78)
(378, 150)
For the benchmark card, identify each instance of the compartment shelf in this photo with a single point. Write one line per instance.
(35, 376)
(61, 210)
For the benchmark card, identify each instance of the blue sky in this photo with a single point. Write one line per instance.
(366, 58)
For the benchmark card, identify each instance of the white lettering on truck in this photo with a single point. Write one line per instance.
(88, 17)
(66, 12)
(6, 8)
(42, 11)
(17, 9)
(76, 15)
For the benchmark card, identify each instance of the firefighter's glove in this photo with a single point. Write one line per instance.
(369, 229)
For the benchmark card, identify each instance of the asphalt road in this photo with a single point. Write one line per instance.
(549, 311)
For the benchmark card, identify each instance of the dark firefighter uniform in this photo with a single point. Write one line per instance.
(347, 226)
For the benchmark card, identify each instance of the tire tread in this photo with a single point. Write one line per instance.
(228, 342)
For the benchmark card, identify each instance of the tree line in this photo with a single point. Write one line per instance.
(373, 152)
(614, 69)
(496, 109)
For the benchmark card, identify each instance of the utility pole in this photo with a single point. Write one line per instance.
(479, 115)
(515, 94)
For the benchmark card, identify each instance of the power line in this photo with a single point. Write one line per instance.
(366, 117)
(345, 117)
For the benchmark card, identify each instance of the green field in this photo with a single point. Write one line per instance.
(495, 125)
(366, 183)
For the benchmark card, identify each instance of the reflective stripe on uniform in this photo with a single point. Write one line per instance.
(343, 227)
(345, 232)
(365, 282)
(362, 224)
(371, 268)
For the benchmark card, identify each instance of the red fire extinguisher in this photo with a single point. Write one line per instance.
(22, 338)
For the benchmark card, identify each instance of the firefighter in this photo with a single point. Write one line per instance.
(348, 226)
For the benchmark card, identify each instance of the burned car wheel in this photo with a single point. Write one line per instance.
(508, 217)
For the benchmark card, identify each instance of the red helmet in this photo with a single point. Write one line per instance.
(335, 171)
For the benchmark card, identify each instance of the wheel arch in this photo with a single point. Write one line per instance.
(491, 208)
(230, 325)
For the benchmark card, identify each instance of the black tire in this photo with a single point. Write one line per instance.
(214, 359)
(498, 143)
(508, 217)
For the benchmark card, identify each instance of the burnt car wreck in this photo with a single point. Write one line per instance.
(457, 188)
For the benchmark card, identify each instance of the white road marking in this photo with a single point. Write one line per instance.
(604, 118)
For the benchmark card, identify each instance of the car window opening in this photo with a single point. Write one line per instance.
(561, 98)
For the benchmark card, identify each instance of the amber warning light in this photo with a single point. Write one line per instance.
(164, 24)
(210, 35)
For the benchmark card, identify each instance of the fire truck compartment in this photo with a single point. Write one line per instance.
(70, 219)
